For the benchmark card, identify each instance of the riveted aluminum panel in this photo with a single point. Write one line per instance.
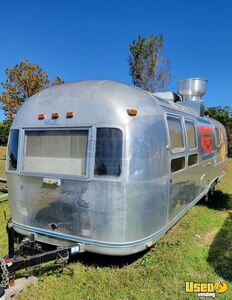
(107, 215)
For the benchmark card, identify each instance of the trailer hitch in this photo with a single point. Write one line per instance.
(10, 233)
(28, 254)
(4, 274)
(8, 266)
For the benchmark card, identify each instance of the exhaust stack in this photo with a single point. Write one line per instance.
(191, 91)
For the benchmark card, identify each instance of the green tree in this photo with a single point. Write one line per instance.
(221, 114)
(224, 116)
(149, 68)
(4, 132)
(23, 81)
(58, 81)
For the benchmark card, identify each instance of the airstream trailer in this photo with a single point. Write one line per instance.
(109, 168)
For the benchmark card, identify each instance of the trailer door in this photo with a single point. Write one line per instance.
(192, 162)
(178, 177)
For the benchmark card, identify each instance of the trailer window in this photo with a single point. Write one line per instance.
(217, 136)
(175, 133)
(192, 159)
(56, 151)
(13, 149)
(177, 164)
(221, 136)
(206, 141)
(191, 134)
(108, 156)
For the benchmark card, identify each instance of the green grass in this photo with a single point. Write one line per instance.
(197, 248)
(2, 168)
(3, 237)
(2, 152)
(2, 161)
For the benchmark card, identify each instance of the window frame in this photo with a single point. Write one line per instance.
(203, 156)
(183, 134)
(58, 175)
(181, 152)
(107, 177)
(177, 157)
(217, 138)
(191, 151)
(189, 154)
(17, 170)
(196, 137)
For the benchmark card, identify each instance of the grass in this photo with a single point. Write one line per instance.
(2, 168)
(2, 161)
(197, 248)
(2, 152)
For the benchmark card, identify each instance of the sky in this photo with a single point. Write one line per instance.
(80, 40)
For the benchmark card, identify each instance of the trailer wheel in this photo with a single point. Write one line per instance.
(212, 192)
(204, 200)
(209, 196)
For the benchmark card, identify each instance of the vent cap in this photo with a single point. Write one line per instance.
(192, 88)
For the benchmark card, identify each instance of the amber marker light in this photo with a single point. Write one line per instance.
(55, 115)
(69, 115)
(132, 112)
(41, 116)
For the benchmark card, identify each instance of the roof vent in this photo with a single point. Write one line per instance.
(169, 96)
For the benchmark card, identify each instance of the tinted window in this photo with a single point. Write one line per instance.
(56, 151)
(191, 134)
(206, 141)
(177, 164)
(175, 133)
(192, 159)
(108, 156)
(13, 149)
(217, 136)
(221, 136)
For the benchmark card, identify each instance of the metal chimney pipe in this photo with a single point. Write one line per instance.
(191, 90)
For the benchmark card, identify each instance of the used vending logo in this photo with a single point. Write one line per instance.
(205, 289)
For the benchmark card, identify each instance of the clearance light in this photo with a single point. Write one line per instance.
(132, 112)
(55, 115)
(149, 244)
(41, 116)
(69, 114)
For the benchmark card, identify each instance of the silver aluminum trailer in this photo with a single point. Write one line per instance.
(108, 167)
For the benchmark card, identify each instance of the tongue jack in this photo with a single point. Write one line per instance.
(10, 233)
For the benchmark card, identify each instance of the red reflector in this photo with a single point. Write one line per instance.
(55, 115)
(41, 116)
(7, 260)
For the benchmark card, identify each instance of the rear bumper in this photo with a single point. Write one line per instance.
(65, 240)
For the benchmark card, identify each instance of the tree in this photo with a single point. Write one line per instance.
(58, 81)
(149, 68)
(4, 132)
(23, 81)
(224, 116)
(221, 114)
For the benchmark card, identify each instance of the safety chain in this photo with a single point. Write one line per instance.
(4, 281)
